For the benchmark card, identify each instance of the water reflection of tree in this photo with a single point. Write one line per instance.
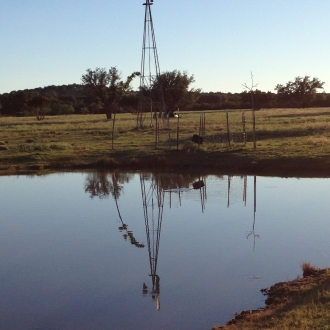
(103, 184)
(229, 188)
(168, 181)
(98, 185)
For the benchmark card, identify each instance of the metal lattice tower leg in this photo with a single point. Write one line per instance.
(153, 203)
(149, 101)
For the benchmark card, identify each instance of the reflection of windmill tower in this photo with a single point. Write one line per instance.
(200, 184)
(244, 189)
(153, 201)
(254, 214)
(228, 194)
(234, 185)
(149, 100)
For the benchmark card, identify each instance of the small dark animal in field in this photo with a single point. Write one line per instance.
(197, 139)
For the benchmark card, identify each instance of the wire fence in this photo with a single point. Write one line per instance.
(211, 130)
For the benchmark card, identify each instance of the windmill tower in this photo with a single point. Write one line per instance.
(153, 203)
(149, 100)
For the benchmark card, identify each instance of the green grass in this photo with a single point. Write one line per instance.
(287, 139)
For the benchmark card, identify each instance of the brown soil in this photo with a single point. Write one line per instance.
(281, 296)
(232, 162)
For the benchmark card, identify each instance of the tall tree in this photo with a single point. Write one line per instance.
(176, 89)
(261, 99)
(106, 88)
(40, 104)
(298, 93)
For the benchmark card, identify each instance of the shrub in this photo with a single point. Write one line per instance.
(308, 269)
(57, 147)
(84, 111)
(106, 162)
(134, 162)
(158, 161)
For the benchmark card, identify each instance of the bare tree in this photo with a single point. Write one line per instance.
(251, 89)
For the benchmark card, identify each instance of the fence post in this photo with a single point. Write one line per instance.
(157, 130)
(177, 130)
(254, 129)
(113, 129)
(228, 133)
(203, 125)
(244, 128)
(200, 129)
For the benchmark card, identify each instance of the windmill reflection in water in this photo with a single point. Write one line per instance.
(153, 204)
(153, 190)
(153, 193)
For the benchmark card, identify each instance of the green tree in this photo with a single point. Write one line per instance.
(176, 89)
(106, 88)
(210, 98)
(298, 93)
(40, 105)
(261, 99)
(67, 109)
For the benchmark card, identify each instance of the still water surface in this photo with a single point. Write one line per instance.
(142, 251)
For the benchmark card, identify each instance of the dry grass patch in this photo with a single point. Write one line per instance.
(308, 269)
(318, 140)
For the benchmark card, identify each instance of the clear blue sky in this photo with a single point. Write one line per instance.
(53, 42)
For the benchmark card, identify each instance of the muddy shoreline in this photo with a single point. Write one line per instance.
(220, 163)
(281, 297)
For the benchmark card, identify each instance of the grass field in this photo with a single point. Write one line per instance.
(287, 140)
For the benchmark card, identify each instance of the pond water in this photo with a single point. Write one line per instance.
(148, 251)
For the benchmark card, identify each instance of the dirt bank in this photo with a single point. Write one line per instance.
(230, 162)
(282, 298)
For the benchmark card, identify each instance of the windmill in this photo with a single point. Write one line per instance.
(149, 100)
(153, 202)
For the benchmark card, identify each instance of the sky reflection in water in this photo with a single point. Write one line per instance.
(74, 247)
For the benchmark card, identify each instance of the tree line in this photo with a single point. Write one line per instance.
(103, 91)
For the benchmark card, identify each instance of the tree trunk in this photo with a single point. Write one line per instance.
(108, 113)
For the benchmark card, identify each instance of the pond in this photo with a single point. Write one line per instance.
(152, 251)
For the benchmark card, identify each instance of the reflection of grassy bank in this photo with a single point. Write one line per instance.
(299, 304)
(290, 142)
